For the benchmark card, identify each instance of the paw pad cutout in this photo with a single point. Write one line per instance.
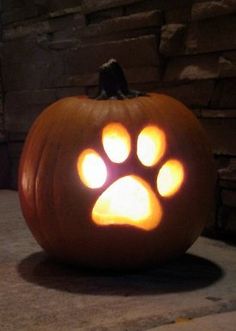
(130, 199)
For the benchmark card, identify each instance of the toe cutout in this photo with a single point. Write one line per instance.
(91, 169)
(170, 178)
(151, 145)
(116, 142)
(129, 200)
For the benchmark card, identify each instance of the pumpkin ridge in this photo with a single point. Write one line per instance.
(36, 196)
(52, 131)
(54, 189)
(33, 219)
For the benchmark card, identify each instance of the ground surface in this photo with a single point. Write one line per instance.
(195, 293)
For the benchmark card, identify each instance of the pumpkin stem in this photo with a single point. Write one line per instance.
(113, 84)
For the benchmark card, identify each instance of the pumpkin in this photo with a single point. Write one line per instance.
(125, 180)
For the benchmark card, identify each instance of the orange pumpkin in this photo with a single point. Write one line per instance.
(116, 182)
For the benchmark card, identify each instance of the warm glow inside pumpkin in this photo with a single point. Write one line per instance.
(130, 200)
(116, 142)
(151, 145)
(92, 169)
(170, 178)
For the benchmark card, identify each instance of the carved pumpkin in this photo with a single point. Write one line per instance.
(116, 182)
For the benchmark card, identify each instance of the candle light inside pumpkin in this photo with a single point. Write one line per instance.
(170, 178)
(92, 169)
(116, 142)
(129, 200)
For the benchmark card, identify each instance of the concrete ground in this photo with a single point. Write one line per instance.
(196, 292)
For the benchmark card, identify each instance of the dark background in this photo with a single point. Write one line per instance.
(184, 48)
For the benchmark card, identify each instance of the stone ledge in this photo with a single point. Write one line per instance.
(207, 9)
(15, 12)
(166, 6)
(228, 173)
(124, 23)
(90, 6)
(192, 68)
(203, 66)
(69, 25)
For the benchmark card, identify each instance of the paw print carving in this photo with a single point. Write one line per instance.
(131, 199)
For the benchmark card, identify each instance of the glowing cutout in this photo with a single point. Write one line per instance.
(129, 200)
(92, 169)
(170, 178)
(151, 145)
(116, 142)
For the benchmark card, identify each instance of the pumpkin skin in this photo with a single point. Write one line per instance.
(57, 206)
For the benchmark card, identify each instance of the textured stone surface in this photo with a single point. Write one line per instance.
(224, 95)
(230, 221)
(222, 141)
(178, 15)
(218, 113)
(123, 24)
(206, 9)
(214, 322)
(172, 39)
(14, 10)
(194, 94)
(229, 198)
(201, 35)
(34, 67)
(63, 26)
(227, 63)
(4, 166)
(163, 5)
(89, 58)
(229, 173)
(204, 66)
(192, 68)
(39, 294)
(18, 117)
(93, 5)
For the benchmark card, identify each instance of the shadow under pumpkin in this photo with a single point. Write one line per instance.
(187, 273)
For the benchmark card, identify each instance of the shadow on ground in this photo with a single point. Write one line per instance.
(184, 274)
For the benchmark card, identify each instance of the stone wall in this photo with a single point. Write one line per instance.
(184, 48)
